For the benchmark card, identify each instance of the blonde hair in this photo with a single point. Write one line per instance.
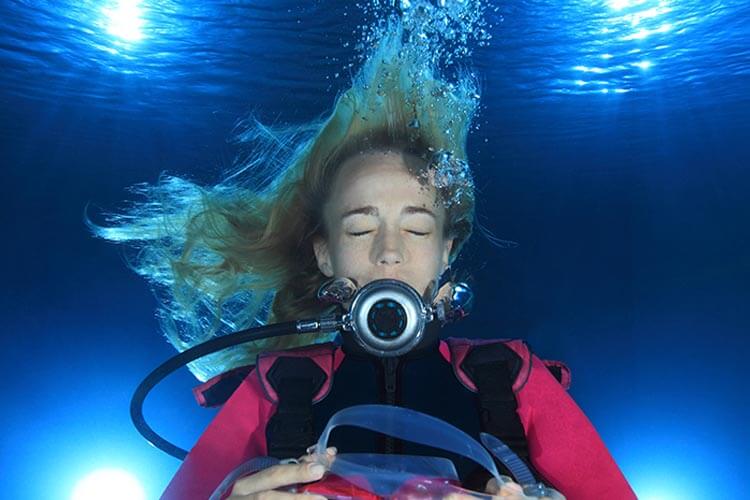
(237, 254)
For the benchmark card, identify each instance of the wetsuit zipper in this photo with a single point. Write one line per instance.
(390, 382)
(390, 368)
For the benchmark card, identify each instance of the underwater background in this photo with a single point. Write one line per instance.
(612, 145)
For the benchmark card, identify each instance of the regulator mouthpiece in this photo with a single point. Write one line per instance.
(388, 317)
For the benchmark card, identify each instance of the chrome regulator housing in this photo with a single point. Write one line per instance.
(387, 317)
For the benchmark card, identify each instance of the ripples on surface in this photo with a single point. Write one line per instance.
(621, 46)
(153, 55)
(162, 54)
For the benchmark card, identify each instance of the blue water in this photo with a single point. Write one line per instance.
(612, 145)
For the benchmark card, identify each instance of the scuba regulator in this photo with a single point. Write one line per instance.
(386, 317)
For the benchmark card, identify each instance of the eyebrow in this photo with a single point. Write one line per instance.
(370, 210)
(419, 210)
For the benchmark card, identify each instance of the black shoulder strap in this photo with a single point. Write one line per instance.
(223, 386)
(493, 368)
(556, 372)
(296, 381)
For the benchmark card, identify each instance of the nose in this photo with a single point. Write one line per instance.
(389, 249)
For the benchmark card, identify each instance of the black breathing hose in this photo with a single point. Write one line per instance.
(185, 357)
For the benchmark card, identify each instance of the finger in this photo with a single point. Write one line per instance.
(311, 456)
(278, 476)
(508, 488)
(311, 450)
(492, 487)
(276, 495)
(511, 495)
(511, 491)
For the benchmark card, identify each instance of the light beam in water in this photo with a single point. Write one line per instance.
(112, 484)
(125, 20)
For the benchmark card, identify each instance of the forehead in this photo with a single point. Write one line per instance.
(382, 176)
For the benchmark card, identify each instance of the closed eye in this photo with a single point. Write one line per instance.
(359, 233)
(418, 233)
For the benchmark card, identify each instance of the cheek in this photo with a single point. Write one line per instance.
(348, 255)
(433, 256)
(425, 267)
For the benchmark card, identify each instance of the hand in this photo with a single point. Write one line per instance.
(512, 490)
(508, 490)
(263, 484)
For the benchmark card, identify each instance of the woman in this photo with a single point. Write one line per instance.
(381, 190)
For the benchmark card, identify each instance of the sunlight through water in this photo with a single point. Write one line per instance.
(125, 20)
(625, 28)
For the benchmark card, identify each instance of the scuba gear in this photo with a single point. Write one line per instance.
(378, 308)
(394, 321)
(395, 476)
(268, 408)
(283, 375)
(384, 474)
(388, 317)
(559, 440)
(521, 473)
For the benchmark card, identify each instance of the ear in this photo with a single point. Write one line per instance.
(323, 256)
(447, 245)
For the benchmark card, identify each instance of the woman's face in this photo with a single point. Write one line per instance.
(381, 222)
